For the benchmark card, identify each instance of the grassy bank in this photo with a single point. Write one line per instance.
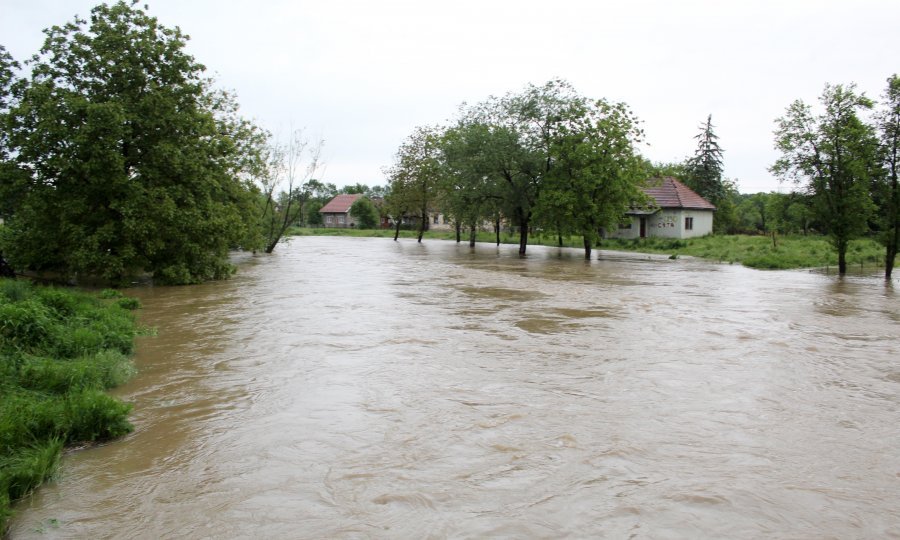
(59, 351)
(759, 252)
(753, 251)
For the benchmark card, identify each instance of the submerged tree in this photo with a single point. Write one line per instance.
(832, 155)
(887, 188)
(128, 161)
(469, 184)
(414, 177)
(285, 185)
(596, 171)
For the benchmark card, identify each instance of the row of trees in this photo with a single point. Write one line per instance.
(546, 157)
(119, 157)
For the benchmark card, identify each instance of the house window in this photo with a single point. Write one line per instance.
(329, 220)
(436, 217)
(688, 223)
(341, 219)
(625, 225)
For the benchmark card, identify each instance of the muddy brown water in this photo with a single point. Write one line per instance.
(365, 388)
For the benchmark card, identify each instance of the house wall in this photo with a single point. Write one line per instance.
(439, 222)
(338, 220)
(669, 223)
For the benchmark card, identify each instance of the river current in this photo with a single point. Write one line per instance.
(365, 388)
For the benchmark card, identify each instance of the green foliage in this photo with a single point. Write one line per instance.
(545, 156)
(283, 194)
(110, 293)
(130, 304)
(22, 472)
(887, 185)
(102, 370)
(757, 251)
(311, 212)
(414, 177)
(832, 155)
(365, 213)
(703, 171)
(124, 159)
(59, 349)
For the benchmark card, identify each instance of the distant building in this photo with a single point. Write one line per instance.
(678, 212)
(336, 213)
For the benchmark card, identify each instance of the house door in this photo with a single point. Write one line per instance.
(643, 227)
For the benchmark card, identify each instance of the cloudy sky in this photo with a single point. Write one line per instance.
(362, 74)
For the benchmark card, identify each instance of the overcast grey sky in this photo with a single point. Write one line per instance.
(362, 74)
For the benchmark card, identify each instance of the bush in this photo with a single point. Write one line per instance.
(15, 290)
(130, 304)
(26, 324)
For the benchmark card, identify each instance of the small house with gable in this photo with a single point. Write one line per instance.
(336, 213)
(676, 211)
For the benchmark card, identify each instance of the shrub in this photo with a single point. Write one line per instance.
(110, 293)
(94, 415)
(26, 324)
(130, 304)
(15, 290)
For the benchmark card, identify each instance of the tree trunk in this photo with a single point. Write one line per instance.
(472, 233)
(397, 229)
(458, 232)
(422, 223)
(559, 239)
(891, 252)
(587, 247)
(497, 230)
(842, 259)
(523, 237)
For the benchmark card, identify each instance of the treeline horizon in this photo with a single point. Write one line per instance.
(119, 158)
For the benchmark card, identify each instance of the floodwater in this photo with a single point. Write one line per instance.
(365, 388)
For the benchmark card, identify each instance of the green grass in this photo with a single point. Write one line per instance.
(758, 251)
(753, 251)
(59, 350)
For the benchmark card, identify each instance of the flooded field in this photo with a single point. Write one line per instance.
(365, 388)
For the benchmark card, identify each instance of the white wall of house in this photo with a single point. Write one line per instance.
(338, 221)
(669, 223)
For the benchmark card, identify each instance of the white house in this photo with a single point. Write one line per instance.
(678, 213)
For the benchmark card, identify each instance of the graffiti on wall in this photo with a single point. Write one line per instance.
(666, 222)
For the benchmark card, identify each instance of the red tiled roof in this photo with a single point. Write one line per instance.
(340, 204)
(673, 194)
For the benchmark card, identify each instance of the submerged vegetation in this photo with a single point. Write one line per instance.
(59, 351)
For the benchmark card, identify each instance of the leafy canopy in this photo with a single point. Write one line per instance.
(124, 158)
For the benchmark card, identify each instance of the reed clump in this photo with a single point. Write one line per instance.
(59, 351)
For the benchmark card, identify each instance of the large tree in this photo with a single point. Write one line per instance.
(414, 177)
(703, 170)
(888, 188)
(831, 154)
(469, 186)
(595, 171)
(126, 160)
